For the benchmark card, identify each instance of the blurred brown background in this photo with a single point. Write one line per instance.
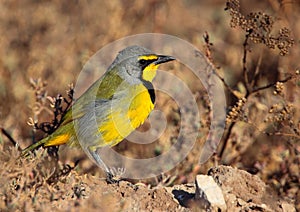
(52, 40)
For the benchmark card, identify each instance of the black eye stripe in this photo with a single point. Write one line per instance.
(144, 63)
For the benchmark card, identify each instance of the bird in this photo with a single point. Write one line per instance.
(112, 107)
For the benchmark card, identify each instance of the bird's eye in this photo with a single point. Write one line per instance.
(143, 62)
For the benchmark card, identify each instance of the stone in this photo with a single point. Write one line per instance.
(208, 194)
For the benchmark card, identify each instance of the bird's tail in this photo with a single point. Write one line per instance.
(25, 152)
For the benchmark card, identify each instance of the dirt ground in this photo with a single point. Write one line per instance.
(70, 191)
(254, 47)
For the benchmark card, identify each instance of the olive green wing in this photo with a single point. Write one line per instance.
(103, 89)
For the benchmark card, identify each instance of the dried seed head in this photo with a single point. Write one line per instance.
(258, 27)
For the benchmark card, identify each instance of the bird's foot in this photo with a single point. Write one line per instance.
(114, 175)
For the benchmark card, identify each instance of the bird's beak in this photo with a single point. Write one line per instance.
(163, 59)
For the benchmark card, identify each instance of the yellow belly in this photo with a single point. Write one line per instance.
(126, 116)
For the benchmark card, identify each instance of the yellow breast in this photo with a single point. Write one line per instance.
(140, 107)
(127, 114)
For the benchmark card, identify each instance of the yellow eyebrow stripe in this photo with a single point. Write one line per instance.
(148, 57)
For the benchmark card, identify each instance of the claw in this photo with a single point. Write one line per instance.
(111, 179)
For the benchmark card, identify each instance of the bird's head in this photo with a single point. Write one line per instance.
(137, 62)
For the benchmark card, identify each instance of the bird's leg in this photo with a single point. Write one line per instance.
(110, 173)
(98, 160)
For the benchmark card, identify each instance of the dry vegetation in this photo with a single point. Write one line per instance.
(254, 46)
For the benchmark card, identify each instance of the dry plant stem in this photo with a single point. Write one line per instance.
(250, 91)
(256, 72)
(10, 138)
(274, 133)
(60, 105)
(225, 83)
(226, 138)
(55, 176)
(271, 84)
(207, 46)
(228, 132)
(230, 127)
(245, 71)
(208, 54)
(282, 134)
